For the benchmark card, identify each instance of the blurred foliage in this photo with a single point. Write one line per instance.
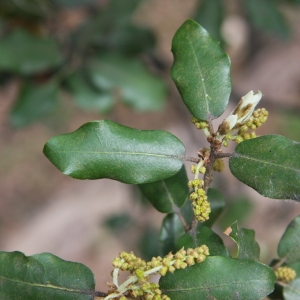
(264, 15)
(99, 61)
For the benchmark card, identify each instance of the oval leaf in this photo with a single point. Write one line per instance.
(203, 236)
(43, 276)
(201, 71)
(169, 194)
(220, 278)
(248, 248)
(104, 149)
(270, 164)
(289, 245)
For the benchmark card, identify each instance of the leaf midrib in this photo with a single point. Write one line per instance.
(123, 153)
(78, 291)
(266, 162)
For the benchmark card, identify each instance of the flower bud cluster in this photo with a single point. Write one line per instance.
(201, 206)
(200, 124)
(247, 131)
(138, 285)
(285, 274)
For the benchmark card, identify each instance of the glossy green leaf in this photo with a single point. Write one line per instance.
(169, 194)
(210, 14)
(220, 278)
(33, 103)
(104, 149)
(289, 245)
(292, 290)
(217, 204)
(171, 230)
(87, 96)
(130, 80)
(43, 276)
(24, 53)
(201, 71)
(203, 236)
(244, 238)
(269, 164)
(266, 16)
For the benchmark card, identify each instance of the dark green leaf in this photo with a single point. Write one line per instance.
(33, 103)
(87, 96)
(220, 278)
(217, 204)
(289, 245)
(104, 149)
(171, 230)
(24, 53)
(43, 276)
(169, 194)
(210, 15)
(270, 164)
(203, 236)
(292, 290)
(201, 71)
(248, 248)
(129, 79)
(266, 15)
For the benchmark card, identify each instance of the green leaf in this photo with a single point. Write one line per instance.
(171, 230)
(33, 103)
(291, 291)
(289, 245)
(43, 276)
(87, 96)
(220, 278)
(244, 238)
(169, 194)
(104, 149)
(266, 15)
(210, 15)
(217, 204)
(130, 79)
(203, 236)
(201, 71)
(269, 164)
(24, 53)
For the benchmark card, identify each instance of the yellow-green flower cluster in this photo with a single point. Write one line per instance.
(247, 130)
(138, 285)
(201, 206)
(285, 274)
(199, 123)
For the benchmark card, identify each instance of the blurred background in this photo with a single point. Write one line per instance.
(67, 62)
